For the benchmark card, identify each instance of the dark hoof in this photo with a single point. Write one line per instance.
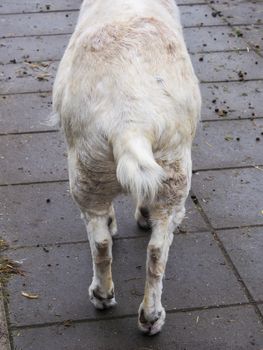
(151, 325)
(100, 302)
(144, 221)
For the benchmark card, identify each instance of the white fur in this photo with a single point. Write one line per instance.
(129, 101)
(137, 170)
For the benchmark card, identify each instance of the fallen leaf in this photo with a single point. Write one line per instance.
(228, 138)
(30, 295)
(38, 65)
(42, 77)
(67, 323)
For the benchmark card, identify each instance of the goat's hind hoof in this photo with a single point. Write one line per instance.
(144, 225)
(143, 219)
(151, 325)
(101, 303)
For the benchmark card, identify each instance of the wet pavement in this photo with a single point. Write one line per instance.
(213, 287)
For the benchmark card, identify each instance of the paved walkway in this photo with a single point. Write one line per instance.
(214, 280)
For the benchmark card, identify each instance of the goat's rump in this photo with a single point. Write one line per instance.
(133, 71)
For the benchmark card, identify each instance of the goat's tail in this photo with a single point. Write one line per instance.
(137, 170)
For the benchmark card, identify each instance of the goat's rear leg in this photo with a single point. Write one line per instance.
(166, 213)
(151, 312)
(94, 192)
(101, 290)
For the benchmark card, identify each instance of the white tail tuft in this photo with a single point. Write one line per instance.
(137, 170)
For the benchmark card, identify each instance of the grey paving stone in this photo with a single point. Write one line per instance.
(35, 48)
(205, 39)
(245, 249)
(25, 77)
(243, 99)
(64, 22)
(224, 144)
(25, 113)
(198, 15)
(39, 214)
(194, 260)
(38, 23)
(241, 12)
(193, 221)
(30, 158)
(45, 214)
(252, 34)
(235, 328)
(230, 198)
(222, 66)
(20, 6)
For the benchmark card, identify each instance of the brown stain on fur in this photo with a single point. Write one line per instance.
(171, 48)
(127, 35)
(155, 267)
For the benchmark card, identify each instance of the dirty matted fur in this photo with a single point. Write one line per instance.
(129, 102)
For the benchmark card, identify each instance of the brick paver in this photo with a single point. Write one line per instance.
(213, 284)
(227, 144)
(36, 107)
(240, 99)
(232, 197)
(245, 247)
(215, 329)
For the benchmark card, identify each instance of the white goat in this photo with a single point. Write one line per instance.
(129, 102)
